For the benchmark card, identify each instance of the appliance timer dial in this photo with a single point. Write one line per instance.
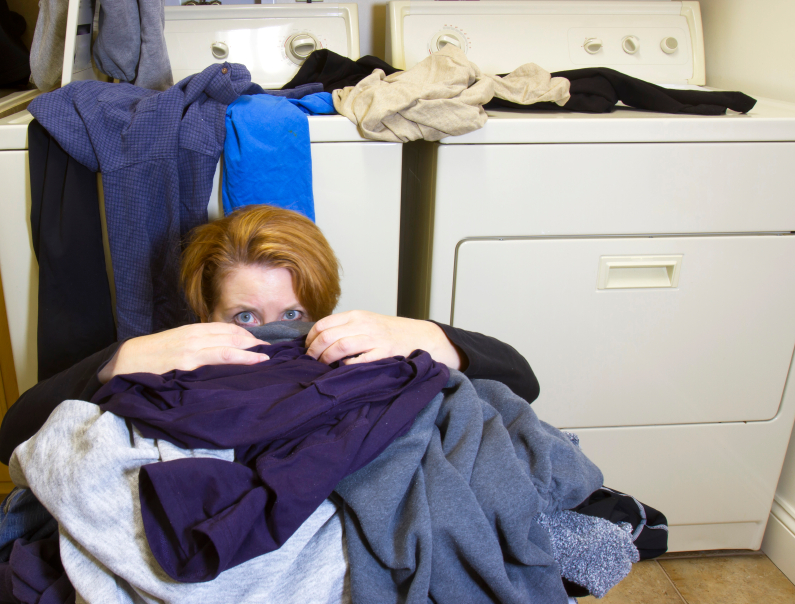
(299, 46)
(448, 36)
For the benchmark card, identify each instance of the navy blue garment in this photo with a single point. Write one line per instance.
(157, 152)
(75, 317)
(267, 157)
(292, 93)
(298, 426)
(22, 516)
(35, 575)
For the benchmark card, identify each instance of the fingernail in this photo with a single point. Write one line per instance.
(265, 357)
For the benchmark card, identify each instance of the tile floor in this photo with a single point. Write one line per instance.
(703, 578)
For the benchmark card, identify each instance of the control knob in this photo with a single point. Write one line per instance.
(300, 46)
(630, 44)
(592, 45)
(669, 45)
(220, 50)
(445, 37)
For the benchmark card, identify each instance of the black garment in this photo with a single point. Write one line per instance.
(32, 409)
(15, 66)
(488, 359)
(335, 71)
(75, 313)
(649, 526)
(598, 89)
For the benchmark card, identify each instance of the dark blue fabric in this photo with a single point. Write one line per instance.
(297, 426)
(267, 157)
(22, 516)
(35, 575)
(157, 152)
(295, 93)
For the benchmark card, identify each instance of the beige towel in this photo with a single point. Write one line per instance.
(442, 95)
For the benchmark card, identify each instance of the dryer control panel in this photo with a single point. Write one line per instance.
(658, 41)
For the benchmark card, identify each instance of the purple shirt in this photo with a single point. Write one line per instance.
(298, 426)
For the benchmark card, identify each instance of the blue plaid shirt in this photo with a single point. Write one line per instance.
(157, 152)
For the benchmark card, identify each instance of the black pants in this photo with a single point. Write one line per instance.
(75, 315)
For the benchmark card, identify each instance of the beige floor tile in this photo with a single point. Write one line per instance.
(646, 584)
(730, 580)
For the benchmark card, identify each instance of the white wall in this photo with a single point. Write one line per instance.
(750, 47)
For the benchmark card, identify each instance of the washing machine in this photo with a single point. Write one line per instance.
(641, 262)
(356, 182)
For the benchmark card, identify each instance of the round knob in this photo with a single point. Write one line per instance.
(592, 45)
(669, 45)
(630, 44)
(300, 46)
(219, 50)
(445, 39)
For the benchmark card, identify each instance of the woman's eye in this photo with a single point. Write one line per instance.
(292, 315)
(245, 318)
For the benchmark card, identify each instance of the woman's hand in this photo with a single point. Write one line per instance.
(184, 348)
(368, 336)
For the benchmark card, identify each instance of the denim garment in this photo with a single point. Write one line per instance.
(22, 516)
(297, 426)
(158, 153)
(267, 156)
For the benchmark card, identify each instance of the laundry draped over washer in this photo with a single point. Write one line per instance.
(591, 90)
(267, 155)
(158, 152)
(443, 95)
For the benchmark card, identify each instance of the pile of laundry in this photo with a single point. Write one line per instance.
(296, 481)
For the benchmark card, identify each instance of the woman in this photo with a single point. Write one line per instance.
(257, 265)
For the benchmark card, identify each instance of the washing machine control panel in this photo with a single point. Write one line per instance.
(272, 41)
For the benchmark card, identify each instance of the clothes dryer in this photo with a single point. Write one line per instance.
(356, 182)
(640, 261)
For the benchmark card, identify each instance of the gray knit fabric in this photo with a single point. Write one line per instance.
(83, 466)
(446, 513)
(130, 44)
(592, 552)
(280, 331)
(46, 50)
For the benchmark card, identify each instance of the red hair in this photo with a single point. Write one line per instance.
(266, 236)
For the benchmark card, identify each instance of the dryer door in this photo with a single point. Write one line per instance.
(639, 331)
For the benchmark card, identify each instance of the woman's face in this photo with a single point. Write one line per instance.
(255, 295)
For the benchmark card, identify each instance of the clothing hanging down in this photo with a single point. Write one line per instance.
(75, 317)
(46, 49)
(15, 67)
(598, 89)
(158, 152)
(267, 157)
(448, 512)
(297, 424)
(443, 95)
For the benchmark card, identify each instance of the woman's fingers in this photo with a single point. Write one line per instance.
(227, 355)
(348, 346)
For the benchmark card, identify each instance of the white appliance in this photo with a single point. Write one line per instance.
(641, 262)
(356, 182)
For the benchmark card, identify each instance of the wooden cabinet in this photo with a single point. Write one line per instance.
(8, 384)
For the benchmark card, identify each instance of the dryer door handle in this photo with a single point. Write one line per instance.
(631, 272)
